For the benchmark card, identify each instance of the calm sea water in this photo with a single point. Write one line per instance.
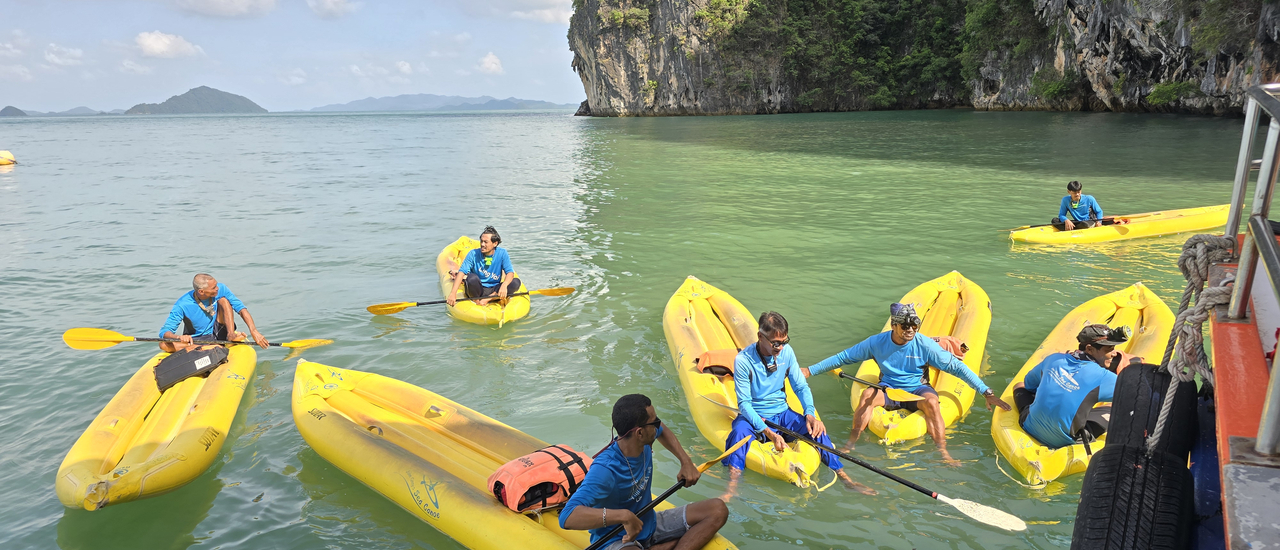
(309, 218)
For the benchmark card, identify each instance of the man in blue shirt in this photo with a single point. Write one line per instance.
(486, 271)
(1077, 211)
(619, 484)
(205, 313)
(902, 358)
(759, 374)
(1056, 399)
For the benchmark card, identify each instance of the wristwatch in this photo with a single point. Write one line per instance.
(989, 393)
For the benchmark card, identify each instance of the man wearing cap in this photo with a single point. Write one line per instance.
(1056, 399)
(902, 358)
(760, 372)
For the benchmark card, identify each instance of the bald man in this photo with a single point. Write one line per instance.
(205, 313)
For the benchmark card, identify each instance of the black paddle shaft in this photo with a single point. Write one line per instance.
(850, 458)
(614, 532)
(880, 387)
(492, 296)
(246, 342)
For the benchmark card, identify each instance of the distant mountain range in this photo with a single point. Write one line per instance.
(200, 100)
(78, 111)
(208, 100)
(432, 102)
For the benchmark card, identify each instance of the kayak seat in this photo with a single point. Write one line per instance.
(717, 361)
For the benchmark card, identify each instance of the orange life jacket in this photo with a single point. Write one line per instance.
(541, 479)
(717, 361)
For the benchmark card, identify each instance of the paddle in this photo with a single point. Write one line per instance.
(892, 393)
(397, 307)
(1111, 218)
(980, 512)
(97, 338)
(614, 532)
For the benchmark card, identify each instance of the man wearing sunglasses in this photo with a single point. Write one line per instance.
(759, 374)
(902, 358)
(619, 484)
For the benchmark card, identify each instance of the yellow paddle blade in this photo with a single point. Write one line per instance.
(388, 309)
(307, 343)
(93, 338)
(901, 395)
(561, 291)
(986, 514)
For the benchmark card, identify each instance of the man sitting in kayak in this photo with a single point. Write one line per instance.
(1056, 399)
(902, 358)
(759, 374)
(205, 313)
(486, 271)
(619, 484)
(1077, 211)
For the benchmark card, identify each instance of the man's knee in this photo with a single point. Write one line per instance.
(867, 396)
(712, 510)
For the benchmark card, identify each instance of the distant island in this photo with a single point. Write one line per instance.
(12, 111)
(202, 100)
(432, 102)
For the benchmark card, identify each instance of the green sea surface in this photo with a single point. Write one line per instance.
(825, 218)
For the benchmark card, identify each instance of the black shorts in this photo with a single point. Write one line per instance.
(913, 406)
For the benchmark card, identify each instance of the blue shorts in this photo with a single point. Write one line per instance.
(891, 405)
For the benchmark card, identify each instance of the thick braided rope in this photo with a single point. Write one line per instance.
(1199, 252)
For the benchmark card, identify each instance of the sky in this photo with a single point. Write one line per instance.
(282, 54)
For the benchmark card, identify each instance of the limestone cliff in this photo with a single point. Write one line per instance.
(695, 57)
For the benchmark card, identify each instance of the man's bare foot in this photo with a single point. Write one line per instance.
(848, 447)
(732, 489)
(852, 485)
(483, 302)
(237, 336)
(947, 460)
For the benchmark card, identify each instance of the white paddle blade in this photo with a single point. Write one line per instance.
(986, 514)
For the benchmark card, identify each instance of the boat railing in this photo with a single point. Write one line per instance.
(1259, 246)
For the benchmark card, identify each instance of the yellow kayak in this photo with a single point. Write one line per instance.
(145, 443)
(450, 259)
(1151, 224)
(701, 318)
(6, 158)
(1136, 307)
(429, 455)
(950, 305)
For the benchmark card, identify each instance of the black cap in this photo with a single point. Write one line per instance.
(1103, 335)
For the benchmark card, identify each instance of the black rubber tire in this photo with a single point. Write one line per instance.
(1131, 501)
(1136, 408)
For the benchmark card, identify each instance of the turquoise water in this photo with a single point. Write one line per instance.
(310, 218)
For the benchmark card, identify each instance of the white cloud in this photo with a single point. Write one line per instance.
(65, 57)
(404, 67)
(462, 37)
(355, 70)
(490, 64)
(15, 72)
(558, 14)
(9, 49)
(333, 9)
(158, 44)
(544, 11)
(130, 67)
(227, 8)
(296, 77)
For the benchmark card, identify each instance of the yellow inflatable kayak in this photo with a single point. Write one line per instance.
(429, 455)
(450, 259)
(1151, 224)
(1136, 307)
(145, 443)
(701, 318)
(950, 305)
(6, 158)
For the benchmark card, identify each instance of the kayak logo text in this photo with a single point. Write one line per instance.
(423, 493)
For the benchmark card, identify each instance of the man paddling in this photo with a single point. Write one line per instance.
(618, 485)
(759, 374)
(902, 358)
(486, 271)
(1077, 211)
(1056, 398)
(205, 313)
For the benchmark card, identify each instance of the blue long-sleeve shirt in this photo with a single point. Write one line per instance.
(1086, 209)
(1062, 382)
(762, 395)
(203, 323)
(902, 366)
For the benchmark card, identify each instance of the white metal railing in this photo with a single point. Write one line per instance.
(1259, 240)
